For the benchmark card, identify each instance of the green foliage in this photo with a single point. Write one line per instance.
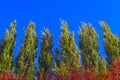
(68, 47)
(61, 70)
(111, 42)
(45, 61)
(26, 59)
(89, 46)
(102, 65)
(7, 49)
(69, 51)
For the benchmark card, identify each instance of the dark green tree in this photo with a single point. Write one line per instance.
(111, 43)
(1, 46)
(119, 47)
(1, 49)
(7, 49)
(25, 64)
(45, 61)
(88, 44)
(57, 57)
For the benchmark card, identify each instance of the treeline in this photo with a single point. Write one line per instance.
(66, 56)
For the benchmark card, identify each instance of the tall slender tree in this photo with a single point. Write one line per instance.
(70, 54)
(7, 49)
(89, 46)
(111, 43)
(25, 64)
(69, 51)
(45, 61)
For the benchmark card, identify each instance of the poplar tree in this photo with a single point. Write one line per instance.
(88, 44)
(45, 61)
(70, 54)
(7, 49)
(111, 43)
(69, 51)
(25, 65)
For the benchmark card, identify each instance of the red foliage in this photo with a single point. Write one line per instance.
(82, 73)
(10, 76)
(41, 78)
(114, 71)
(7, 76)
(21, 78)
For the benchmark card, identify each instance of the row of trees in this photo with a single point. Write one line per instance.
(67, 55)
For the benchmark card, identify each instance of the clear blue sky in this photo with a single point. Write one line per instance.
(46, 13)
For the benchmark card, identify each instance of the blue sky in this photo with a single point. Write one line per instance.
(46, 13)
